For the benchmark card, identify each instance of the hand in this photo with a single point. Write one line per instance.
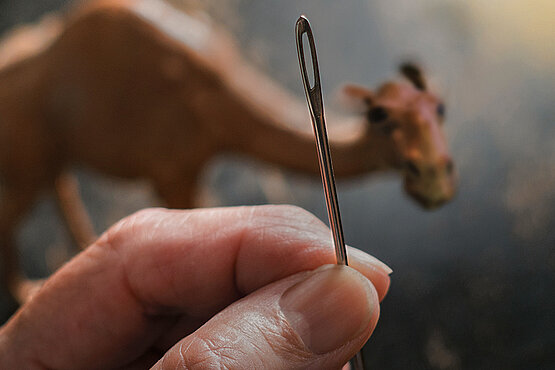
(216, 288)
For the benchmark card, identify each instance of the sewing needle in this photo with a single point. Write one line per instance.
(316, 108)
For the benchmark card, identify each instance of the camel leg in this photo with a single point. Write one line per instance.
(15, 204)
(73, 210)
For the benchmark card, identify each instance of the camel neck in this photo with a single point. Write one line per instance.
(275, 127)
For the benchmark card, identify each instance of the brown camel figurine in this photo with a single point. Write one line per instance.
(135, 89)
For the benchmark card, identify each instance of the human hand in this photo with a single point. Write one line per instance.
(212, 288)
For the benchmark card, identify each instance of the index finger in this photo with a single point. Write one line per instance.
(122, 291)
(200, 261)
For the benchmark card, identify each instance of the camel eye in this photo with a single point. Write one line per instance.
(377, 114)
(412, 168)
(441, 110)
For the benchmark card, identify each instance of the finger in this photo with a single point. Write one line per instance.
(315, 320)
(119, 297)
(217, 256)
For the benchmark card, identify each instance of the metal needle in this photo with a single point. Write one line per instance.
(316, 108)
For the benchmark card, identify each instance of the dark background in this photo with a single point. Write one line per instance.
(474, 282)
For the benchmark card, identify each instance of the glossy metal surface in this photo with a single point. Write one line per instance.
(316, 108)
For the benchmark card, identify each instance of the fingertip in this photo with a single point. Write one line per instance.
(384, 287)
(373, 269)
(381, 283)
(334, 305)
(374, 299)
(313, 319)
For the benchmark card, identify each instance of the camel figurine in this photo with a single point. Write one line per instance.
(136, 89)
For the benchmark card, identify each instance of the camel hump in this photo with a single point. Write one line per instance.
(189, 30)
(175, 23)
(29, 40)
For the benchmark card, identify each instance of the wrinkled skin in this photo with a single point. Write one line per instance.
(229, 288)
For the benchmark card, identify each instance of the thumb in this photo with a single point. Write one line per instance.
(317, 319)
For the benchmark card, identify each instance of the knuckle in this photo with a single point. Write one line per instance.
(287, 345)
(284, 224)
(145, 215)
(291, 214)
(202, 353)
(128, 225)
(250, 345)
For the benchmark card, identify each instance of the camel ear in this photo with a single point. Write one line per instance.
(414, 74)
(356, 97)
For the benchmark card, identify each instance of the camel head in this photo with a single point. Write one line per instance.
(406, 122)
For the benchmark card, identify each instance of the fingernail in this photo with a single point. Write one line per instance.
(332, 306)
(369, 261)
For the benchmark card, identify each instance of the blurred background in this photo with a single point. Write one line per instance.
(474, 282)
